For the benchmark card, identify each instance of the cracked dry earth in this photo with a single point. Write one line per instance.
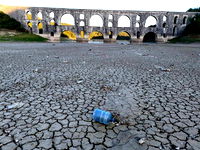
(49, 91)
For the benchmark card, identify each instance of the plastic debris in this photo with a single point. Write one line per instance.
(103, 116)
(162, 68)
(37, 70)
(80, 81)
(141, 141)
(177, 148)
(166, 69)
(65, 61)
(15, 105)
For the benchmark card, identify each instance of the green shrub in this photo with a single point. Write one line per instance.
(24, 37)
(6, 22)
(194, 10)
(194, 26)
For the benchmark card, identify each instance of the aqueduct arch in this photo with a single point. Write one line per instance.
(107, 22)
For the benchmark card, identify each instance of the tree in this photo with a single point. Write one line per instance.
(6, 22)
(194, 26)
(194, 10)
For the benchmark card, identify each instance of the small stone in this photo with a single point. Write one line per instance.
(141, 141)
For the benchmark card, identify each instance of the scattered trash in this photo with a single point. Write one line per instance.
(9, 66)
(37, 70)
(162, 68)
(106, 88)
(145, 54)
(175, 147)
(15, 105)
(142, 140)
(65, 61)
(7, 131)
(139, 53)
(103, 116)
(79, 81)
(166, 69)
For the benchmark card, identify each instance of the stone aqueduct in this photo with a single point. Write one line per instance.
(168, 24)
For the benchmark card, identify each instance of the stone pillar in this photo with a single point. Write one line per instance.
(35, 27)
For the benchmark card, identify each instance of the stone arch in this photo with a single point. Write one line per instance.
(110, 17)
(52, 22)
(110, 24)
(82, 23)
(151, 21)
(96, 35)
(51, 15)
(175, 19)
(138, 34)
(137, 25)
(67, 34)
(96, 21)
(164, 25)
(82, 34)
(67, 20)
(124, 21)
(184, 19)
(39, 16)
(175, 31)
(30, 25)
(110, 34)
(137, 18)
(40, 27)
(164, 21)
(81, 16)
(164, 18)
(28, 15)
(150, 37)
(124, 35)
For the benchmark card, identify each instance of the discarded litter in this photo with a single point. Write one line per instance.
(141, 141)
(15, 105)
(65, 61)
(102, 116)
(166, 69)
(37, 70)
(79, 81)
(162, 68)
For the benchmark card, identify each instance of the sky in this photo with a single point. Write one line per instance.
(144, 5)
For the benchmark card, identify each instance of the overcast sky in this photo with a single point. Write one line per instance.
(151, 5)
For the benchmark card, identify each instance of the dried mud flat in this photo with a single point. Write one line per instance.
(49, 91)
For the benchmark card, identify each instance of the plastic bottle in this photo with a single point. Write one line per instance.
(102, 116)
